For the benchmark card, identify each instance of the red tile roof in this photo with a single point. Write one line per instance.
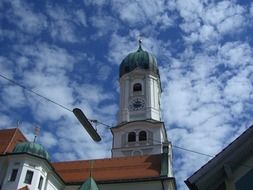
(9, 138)
(113, 169)
(102, 170)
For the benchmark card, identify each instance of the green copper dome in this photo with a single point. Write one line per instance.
(31, 148)
(139, 59)
(89, 184)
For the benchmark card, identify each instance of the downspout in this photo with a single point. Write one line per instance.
(164, 165)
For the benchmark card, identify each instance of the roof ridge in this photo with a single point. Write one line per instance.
(106, 159)
(12, 138)
(14, 134)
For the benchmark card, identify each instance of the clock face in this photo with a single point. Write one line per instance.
(137, 104)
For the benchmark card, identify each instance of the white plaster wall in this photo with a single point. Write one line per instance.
(51, 186)
(151, 92)
(153, 145)
(13, 163)
(53, 182)
(39, 167)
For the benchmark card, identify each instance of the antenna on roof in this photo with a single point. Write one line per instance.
(36, 133)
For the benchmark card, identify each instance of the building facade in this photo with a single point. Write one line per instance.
(141, 153)
(231, 169)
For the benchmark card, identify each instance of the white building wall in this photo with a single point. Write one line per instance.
(12, 163)
(38, 166)
(53, 182)
(153, 145)
(150, 93)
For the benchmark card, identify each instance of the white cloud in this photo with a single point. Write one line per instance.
(206, 95)
(26, 19)
(238, 89)
(207, 33)
(207, 88)
(80, 17)
(63, 23)
(235, 54)
(189, 10)
(5, 68)
(104, 24)
(103, 72)
(99, 3)
(251, 9)
(119, 47)
(13, 96)
(49, 139)
(47, 58)
(208, 23)
(143, 12)
(79, 140)
(5, 121)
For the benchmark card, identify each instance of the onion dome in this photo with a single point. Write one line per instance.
(31, 148)
(139, 59)
(89, 184)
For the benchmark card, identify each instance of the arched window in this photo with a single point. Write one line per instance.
(142, 136)
(131, 137)
(137, 87)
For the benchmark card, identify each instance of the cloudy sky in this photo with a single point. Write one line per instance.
(70, 51)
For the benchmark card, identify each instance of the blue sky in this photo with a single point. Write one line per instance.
(70, 51)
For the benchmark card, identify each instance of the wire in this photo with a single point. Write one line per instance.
(192, 151)
(31, 91)
(174, 146)
(98, 122)
(93, 121)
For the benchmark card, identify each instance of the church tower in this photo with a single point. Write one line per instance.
(140, 130)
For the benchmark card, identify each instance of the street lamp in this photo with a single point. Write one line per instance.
(86, 124)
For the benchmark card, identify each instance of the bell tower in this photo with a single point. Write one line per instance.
(140, 130)
(140, 87)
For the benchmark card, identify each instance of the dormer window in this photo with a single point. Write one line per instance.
(137, 87)
(142, 136)
(131, 137)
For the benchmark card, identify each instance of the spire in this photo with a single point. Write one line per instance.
(89, 184)
(36, 133)
(91, 167)
(140, 44)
